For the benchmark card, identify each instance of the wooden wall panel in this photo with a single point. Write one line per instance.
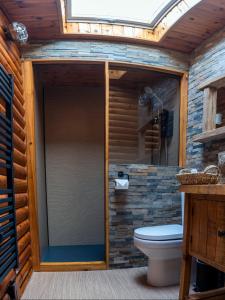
(10, 59)
(123, 124)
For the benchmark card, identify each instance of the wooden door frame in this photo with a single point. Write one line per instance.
(29, 96)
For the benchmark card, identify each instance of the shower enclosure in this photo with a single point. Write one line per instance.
(70, 146)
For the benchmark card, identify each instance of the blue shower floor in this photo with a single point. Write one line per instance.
(81, 253)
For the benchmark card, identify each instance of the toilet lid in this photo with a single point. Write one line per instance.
(160, 233)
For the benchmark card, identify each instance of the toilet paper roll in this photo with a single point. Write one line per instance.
(121, 184)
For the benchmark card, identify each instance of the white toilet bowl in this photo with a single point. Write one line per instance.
(162, 245)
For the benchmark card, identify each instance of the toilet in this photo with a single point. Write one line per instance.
(163, 247)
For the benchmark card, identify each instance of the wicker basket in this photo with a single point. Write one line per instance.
(209, 176)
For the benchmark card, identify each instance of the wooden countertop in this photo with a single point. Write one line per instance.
(210, 189)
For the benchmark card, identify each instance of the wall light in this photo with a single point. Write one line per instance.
(16, 32)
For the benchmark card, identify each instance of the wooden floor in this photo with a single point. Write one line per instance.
(113, 284)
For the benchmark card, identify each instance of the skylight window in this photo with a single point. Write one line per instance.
(142, 12)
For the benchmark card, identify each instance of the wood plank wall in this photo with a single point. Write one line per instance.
(152, 141)
(10, 59)
(124, 119)
(123, 124)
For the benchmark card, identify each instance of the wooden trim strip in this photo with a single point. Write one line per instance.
(29, 90)
(183, 119)
(107, 162)
(186, 258)
(151, 67)
(72, 266)
(209, 189)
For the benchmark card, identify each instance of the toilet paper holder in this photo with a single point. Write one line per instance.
(121, 175)
(122, 182)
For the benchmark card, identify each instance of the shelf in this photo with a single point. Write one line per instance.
(216, 82)
(212, 135)
(210, 189)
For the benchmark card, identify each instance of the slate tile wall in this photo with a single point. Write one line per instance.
(208, 61)
(152, 199)
(111, 51)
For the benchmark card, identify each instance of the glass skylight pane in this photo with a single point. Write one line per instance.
(137, 11)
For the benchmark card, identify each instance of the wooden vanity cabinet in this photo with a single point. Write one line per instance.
(207, 229)
(204, 230)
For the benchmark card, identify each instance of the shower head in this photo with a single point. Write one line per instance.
(148, 90)
(152, 96)
(149, 96)
(144, 99)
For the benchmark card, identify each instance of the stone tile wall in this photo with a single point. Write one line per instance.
(107, 51)
(208, 62)
(152, 199)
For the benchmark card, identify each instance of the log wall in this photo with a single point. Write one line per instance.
(123, 124)
(10, 59)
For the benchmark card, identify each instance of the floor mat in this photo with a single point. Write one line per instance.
(81, 253)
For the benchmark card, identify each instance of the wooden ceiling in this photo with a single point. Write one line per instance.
(70, 74)
(43, 22)
(196, 26)
(138, 78)
(79, 74)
